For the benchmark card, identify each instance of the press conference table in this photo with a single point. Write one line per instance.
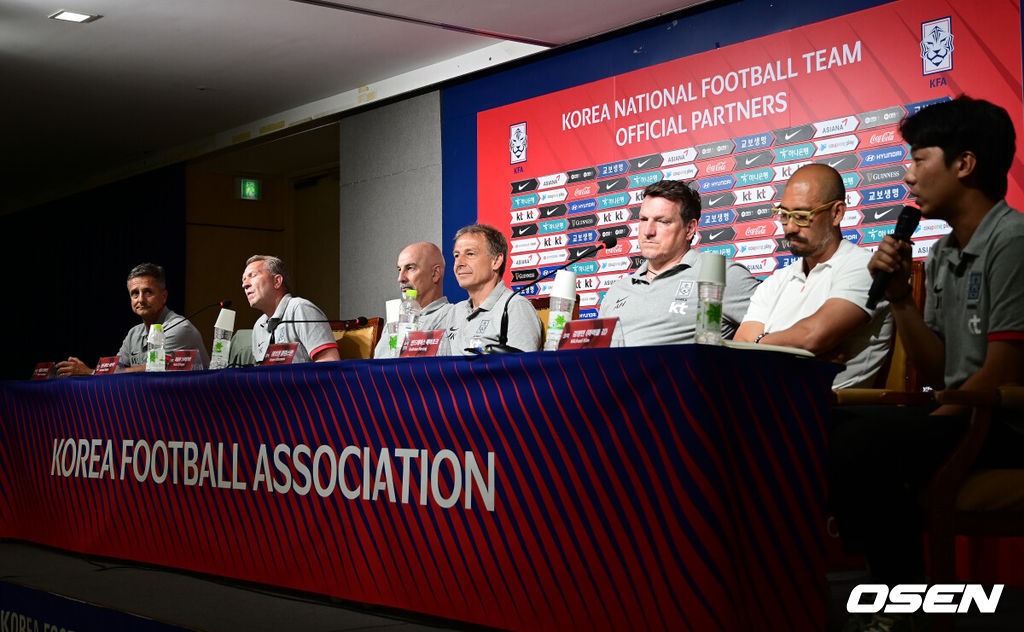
(676, 487)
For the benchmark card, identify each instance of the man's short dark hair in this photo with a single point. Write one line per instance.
(966, 124)
(150, 270)
(496, 242)
(677, 191)
(275, 266)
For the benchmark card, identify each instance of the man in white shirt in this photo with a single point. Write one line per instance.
(818, 302)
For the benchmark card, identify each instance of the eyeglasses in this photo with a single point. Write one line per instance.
(801, 218)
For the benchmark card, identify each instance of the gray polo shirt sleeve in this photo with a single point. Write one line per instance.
(525, 331)
(612, 295)
(739, 287)
(313, 336)
(133, 348)
(1006, 290)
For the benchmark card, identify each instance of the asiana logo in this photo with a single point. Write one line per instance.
(936, 46)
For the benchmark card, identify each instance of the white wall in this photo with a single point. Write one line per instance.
(390, 167)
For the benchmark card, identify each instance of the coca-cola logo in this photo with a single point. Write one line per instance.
(884, 137)
(755, 231)
(717, 167)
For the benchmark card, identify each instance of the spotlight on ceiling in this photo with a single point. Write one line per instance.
(73, 16)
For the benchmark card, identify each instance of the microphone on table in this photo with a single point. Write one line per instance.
(905, 227)
(502, 346)
(343, 325)
(222, 304)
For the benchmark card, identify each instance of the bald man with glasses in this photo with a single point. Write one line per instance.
(818, 302)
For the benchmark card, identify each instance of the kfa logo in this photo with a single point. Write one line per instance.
(517, 143)
(936, 46)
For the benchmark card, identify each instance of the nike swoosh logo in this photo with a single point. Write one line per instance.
(748, 161)
(523, 185)
(548, 212)
(640, 165)
(520, 231)
(882, 214)
(714, 235)
(789, 135)
(835, 164)
(611, 185)
(716, 200)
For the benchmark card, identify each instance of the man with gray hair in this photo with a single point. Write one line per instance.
(285, 318)
(147, 287)
(480, 255)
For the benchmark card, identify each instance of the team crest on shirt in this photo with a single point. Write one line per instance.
(974, 287)
(482, 329)
(685, 289)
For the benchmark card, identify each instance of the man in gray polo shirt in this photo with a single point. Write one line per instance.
(147, 288)
(285, 318)
(971, 335)
(420, 268)
(480, 255)
(657, 304)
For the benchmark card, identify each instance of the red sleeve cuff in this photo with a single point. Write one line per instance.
(314, 353)
(994, 336)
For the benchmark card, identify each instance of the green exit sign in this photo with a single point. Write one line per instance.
(248, 188)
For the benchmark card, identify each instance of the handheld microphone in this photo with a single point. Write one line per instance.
(224, 303)
(503, 346)
(905, 227)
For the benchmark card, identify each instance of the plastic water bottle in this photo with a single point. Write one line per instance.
(710, 288)
(155, 358)
(408, 317)
(391, 333)
(222, 331)
(563, 298)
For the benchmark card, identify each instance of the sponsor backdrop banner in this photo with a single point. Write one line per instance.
(535, 491)
(559, 171)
